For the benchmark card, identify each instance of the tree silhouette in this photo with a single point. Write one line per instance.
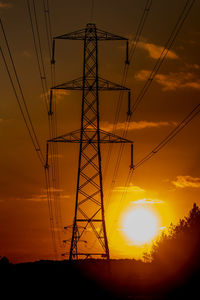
(179, 248)
(4, 260)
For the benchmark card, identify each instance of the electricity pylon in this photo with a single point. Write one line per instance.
(89, 218)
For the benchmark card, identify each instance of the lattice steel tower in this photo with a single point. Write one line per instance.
(89, 237)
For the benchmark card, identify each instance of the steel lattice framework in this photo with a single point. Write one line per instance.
(89, 219)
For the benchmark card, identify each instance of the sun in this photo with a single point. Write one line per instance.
(140, 226)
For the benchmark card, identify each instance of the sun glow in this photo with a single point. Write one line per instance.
(140, 225)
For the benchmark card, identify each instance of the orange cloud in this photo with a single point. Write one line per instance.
(58, 94)
(43, 195)
(155, 51)
(135, 125)
(187, 181)
(5, 5)
(172, 81)
(56, 155)
(130, 188)
(147, 201)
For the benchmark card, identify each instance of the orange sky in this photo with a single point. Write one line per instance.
(169, 183)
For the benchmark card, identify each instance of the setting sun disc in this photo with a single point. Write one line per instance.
(140, 226)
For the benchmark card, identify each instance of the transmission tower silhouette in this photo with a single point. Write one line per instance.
(89, 238)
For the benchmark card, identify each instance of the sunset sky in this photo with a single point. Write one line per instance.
(168, 184)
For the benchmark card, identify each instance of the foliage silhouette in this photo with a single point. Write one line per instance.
(179, 248)
(4, 260)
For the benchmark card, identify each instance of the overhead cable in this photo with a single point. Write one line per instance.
(20, 97)
(183, 15)
(171, 135)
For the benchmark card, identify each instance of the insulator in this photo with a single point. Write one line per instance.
(129, 104)
(127, 53)
(47, 157)
(131, 165)
(53, 53)
(50, 103)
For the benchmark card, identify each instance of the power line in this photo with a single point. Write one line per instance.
(50, 207)
(24, 110)
(140, 28)
(124, 78)
(171, 135)
(92, 10)
(48, 25)
(183, 15)
(55, 179)
(195, 111)
(130, 56)
(38, 57)
(52, 170)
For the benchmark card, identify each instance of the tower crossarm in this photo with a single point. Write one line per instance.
(101, 35)
(90, 137)
(77, 85)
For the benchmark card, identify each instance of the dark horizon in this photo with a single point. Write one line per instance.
(165, 187)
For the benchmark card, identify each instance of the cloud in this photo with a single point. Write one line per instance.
(187, 181)
(192, 66)
(181, 80)
(147, 201)
(61, 93)
(43, 196)
(135, 125)
(131, 188)
(58, 94)
(5, 5)
(155, 51)
(56, 155)
(172, 81)
(38, 198)
(143, 75)
(26, 54)
(54, 190)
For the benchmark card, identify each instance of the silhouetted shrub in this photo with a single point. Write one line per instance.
(4, 260)
(179, 248)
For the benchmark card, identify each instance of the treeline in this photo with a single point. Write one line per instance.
(179, 247)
